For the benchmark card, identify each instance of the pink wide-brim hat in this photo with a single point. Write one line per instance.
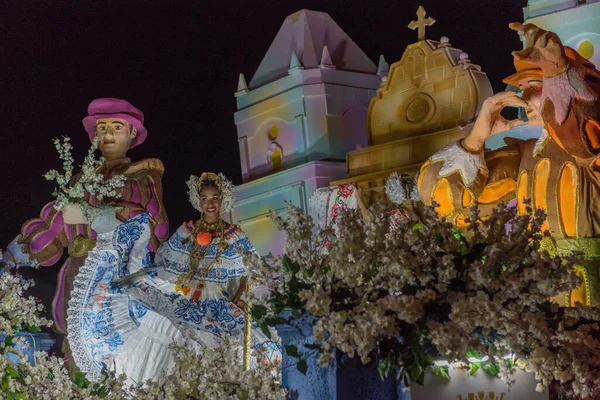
(115, 108)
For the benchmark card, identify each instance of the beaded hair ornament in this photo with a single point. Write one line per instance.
(224, 185)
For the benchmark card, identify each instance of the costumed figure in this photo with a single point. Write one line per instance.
(121, 236)
(326, 203)
(559, 172)
(201, 274)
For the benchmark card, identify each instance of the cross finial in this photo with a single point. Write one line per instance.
(421, 23)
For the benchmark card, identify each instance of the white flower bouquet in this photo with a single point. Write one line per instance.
(90, 181)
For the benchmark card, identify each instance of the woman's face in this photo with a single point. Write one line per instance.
(210, 202)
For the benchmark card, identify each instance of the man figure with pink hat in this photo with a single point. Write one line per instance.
(119, 127)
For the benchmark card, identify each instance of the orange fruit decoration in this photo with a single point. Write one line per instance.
(203, 238)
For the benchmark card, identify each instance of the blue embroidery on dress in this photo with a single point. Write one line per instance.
(190, 310)
(98, 324)
(219, 311)
(114, 341)
(136, 311)
(125, 237)
(101, 336)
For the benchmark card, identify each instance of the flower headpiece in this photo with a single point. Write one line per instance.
(224, 185)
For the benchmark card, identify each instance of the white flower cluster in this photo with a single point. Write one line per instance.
(90, 180)
(50, 379)
(18, 312)
(215, 373)
(401, 188)
(428, 290)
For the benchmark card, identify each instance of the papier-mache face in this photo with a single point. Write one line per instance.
(109, 110)
(531, 93)
(115, 136)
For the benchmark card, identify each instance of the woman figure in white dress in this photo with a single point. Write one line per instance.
(201, 272)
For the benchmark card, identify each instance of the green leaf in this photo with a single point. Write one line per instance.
(258, 312)
(101, 392)
(474, 367)
(417, 375)
(474, 354)
(441, 371)
(80, 380)
(296, 313)
(8, 341)
(302, 367)
(12, 372)
(32, 328)
(383, 367)
(278, 304)
(312, 346)
(265, 328)
(290, 265)
(492, 369)
(292, 351)
(274, 321)
(5, 384)
(416, 227)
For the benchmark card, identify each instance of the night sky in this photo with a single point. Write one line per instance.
(179, 63)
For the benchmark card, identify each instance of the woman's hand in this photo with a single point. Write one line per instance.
(73, 215)
(241, 304)
(237, 299)
(490, 121)
(542, 48)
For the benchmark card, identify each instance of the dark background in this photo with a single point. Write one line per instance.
(179, 63)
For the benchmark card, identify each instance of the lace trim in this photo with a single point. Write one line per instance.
(75, 318)
(458, 159)
(317, 205)
(81, 287)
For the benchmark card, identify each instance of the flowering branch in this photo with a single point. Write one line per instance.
(90, 181)
(429, 290)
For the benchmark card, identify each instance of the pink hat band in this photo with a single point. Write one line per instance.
(115, 108)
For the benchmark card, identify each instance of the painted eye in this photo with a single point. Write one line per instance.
(118, 127)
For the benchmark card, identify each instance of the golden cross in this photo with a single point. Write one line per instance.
(421, 23)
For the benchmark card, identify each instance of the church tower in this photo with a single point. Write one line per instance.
(430, 98)
(302, 111)
(576, 22)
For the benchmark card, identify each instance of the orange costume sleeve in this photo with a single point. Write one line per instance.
(457, 179)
